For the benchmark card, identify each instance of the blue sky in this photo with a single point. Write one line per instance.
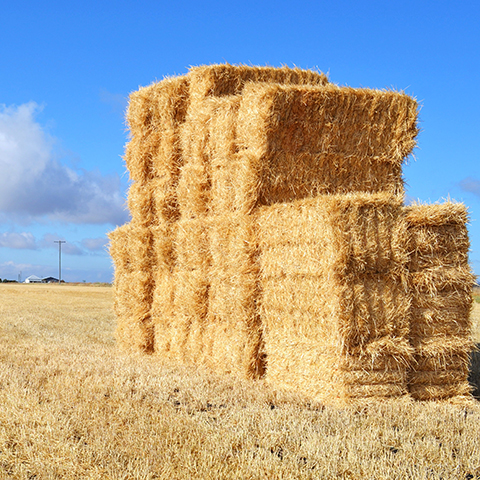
(67, 68)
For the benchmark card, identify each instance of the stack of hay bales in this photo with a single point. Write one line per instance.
(143, 249)
(214, 321)
(269, 237)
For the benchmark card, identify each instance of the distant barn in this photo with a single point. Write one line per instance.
(35, 279)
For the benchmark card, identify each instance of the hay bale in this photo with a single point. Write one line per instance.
(206, 84)
(221, 80)
(441, 284)
(333, 300)
(154, 116)
(234, 324)
(131, 250)
(187, 325)
(301, 141)
(153, 202)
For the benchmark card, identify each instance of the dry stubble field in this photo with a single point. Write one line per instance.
(71, 406)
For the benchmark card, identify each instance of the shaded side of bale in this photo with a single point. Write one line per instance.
(441, 284)
(131, 250)
(334, 306)
(302, 141)
(153, 157)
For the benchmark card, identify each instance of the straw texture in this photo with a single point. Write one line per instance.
(298, 142)
(441, 289)
(332, 293)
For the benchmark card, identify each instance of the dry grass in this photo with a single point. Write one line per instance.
(72, 408)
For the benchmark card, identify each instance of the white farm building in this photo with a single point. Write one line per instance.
(35, 279)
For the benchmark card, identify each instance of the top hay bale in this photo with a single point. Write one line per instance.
(301, 142)
(223, 80)
(259, 142)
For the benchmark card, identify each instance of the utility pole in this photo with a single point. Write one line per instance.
(59, 258)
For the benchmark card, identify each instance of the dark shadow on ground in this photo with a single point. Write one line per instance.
(474, 377)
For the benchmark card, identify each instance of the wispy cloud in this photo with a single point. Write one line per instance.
(24, 240)
(49, 241)
(471, 185)
(95, 244)
(34, 184)
(27, 241)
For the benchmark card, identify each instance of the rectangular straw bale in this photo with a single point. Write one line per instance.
(302, 141)
(135, 329)
(191, 244)
(153, 202)
(119, 248)
(441, 283)
(223, 150)
(140, 203)
(232, 245)
(234, 326)
(233, 332)
(162, 312)
(131, 248)
(154, 116)
(220, 80)
(164, 255)
(332, 292)
(162, 301)
(187, 325)
(356, 230)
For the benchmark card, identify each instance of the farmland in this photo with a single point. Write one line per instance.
(72, 406)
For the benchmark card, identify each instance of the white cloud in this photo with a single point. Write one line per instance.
(34, 184)
(24, 240)
(27, 241)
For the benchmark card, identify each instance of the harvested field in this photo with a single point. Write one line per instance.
(73, 407)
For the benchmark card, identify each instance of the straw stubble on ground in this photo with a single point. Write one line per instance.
(73, 407)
